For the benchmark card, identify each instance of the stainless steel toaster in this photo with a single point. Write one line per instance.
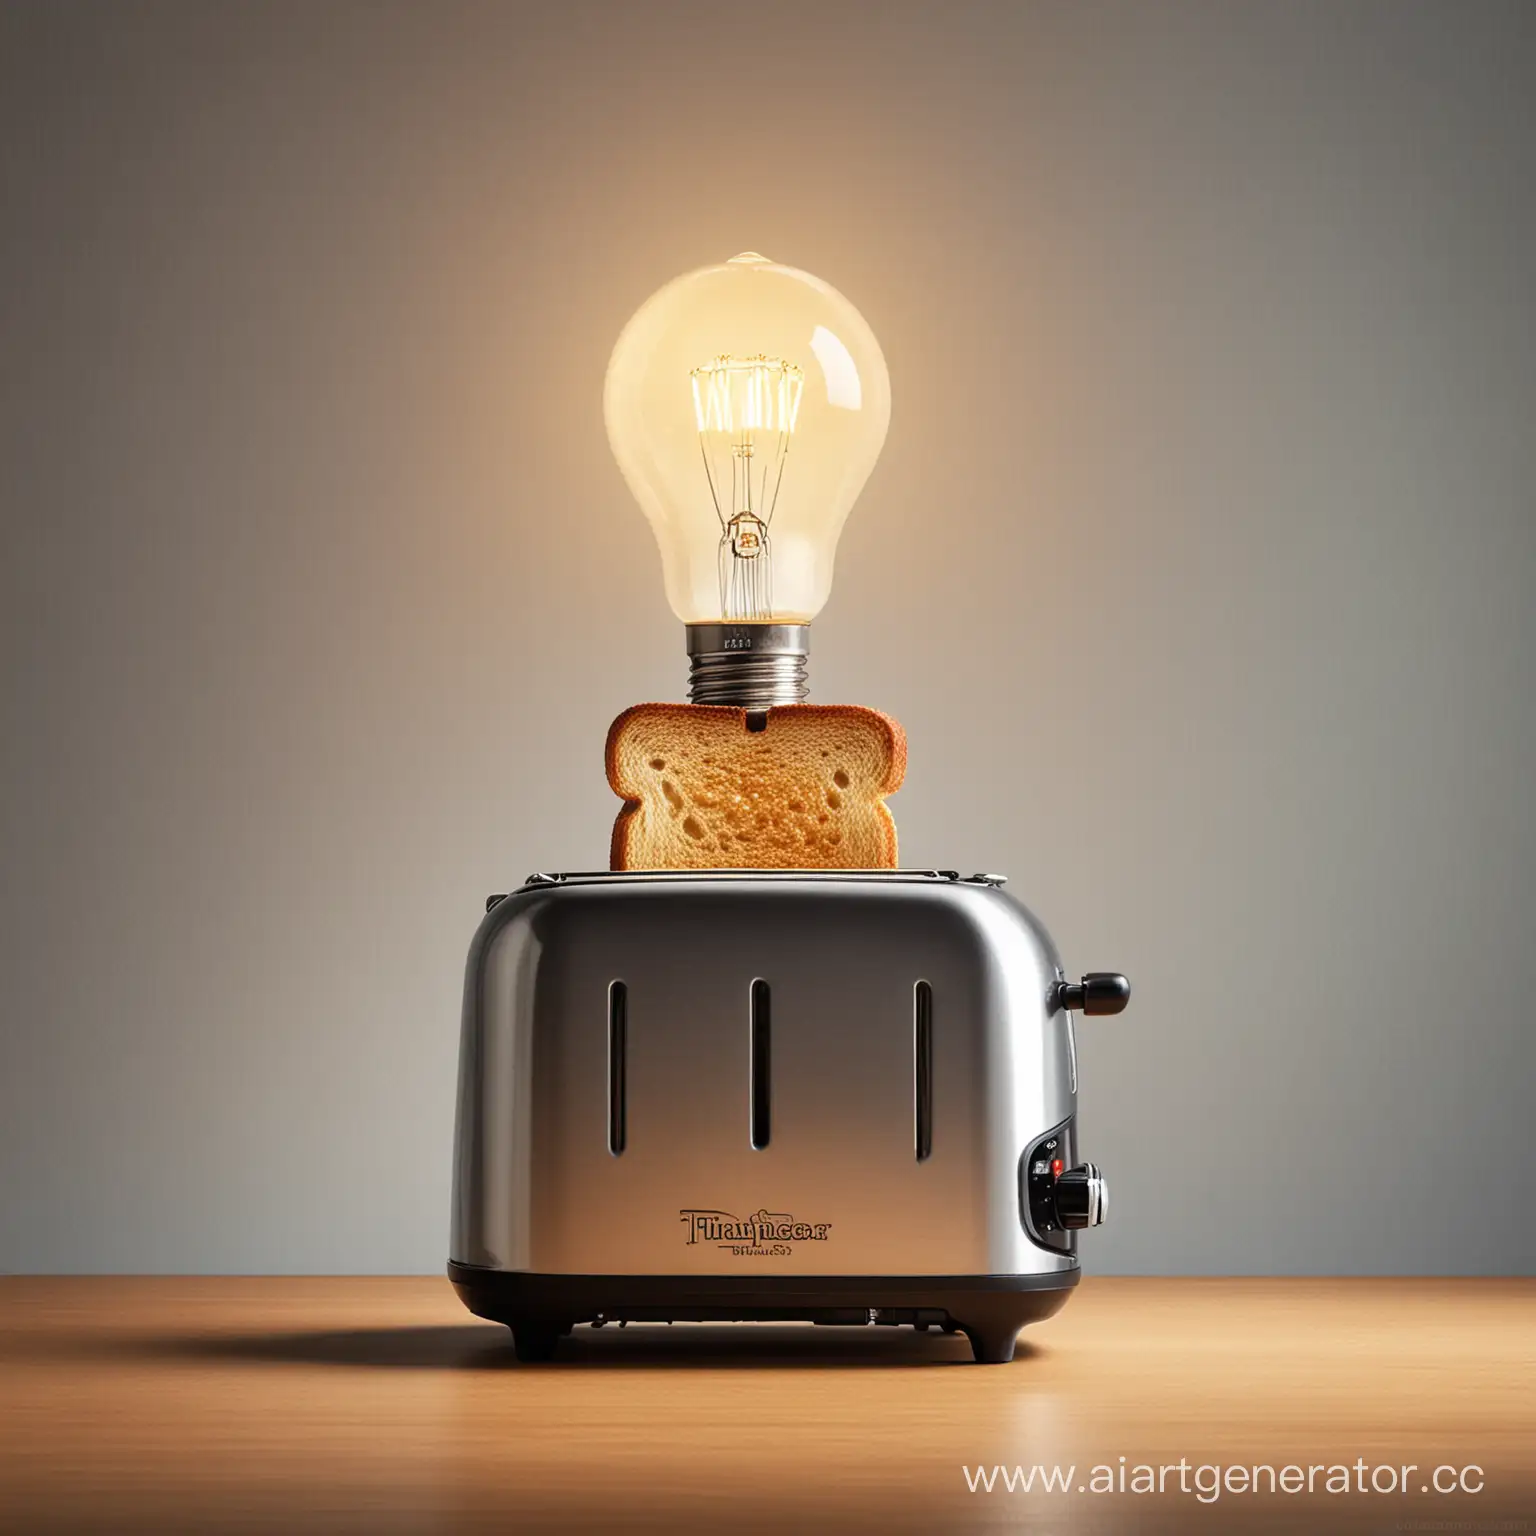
(752, 1095)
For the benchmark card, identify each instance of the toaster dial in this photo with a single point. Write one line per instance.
(1081, 1197)
(1044, 1164)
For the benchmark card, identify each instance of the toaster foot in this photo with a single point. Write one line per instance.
(991, 1321)
(533, 1340)
(991, 1346)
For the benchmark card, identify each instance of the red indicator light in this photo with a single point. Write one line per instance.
(1056, 1165)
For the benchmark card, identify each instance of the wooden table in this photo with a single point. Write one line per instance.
(378, 1405)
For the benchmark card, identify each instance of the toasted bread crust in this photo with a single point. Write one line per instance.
(847, 729)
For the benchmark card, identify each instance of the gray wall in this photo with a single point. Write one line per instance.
(1198, 566)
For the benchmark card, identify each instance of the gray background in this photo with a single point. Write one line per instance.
(1198, 567)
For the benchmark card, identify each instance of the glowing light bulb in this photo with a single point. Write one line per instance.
(746, 404)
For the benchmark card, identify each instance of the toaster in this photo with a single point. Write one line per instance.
(835, 1097)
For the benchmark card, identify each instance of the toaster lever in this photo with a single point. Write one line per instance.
(1097, 992)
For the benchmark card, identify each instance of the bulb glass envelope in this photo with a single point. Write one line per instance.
(746, 404)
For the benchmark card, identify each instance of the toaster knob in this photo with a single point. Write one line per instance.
(1097, 992)
(1082, 1196)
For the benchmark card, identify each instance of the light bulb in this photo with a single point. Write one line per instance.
(746, 404)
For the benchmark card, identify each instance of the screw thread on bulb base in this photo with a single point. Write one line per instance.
(750, 666)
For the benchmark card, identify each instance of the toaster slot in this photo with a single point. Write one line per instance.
(762, 1064)
(618, 1066)
(922, 1070)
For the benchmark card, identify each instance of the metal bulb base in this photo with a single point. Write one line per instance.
(749, 666)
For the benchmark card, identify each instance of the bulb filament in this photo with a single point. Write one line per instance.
(746, 409)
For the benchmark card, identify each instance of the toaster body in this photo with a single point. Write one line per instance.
(844, 1098)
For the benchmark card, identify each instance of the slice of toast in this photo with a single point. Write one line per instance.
(701, 791)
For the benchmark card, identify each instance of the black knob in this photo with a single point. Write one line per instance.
(1082, 1196)
(1097, 992)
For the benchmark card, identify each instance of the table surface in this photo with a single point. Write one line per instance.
(378, 1404)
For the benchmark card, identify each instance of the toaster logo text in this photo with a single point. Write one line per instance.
(766, 1234)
